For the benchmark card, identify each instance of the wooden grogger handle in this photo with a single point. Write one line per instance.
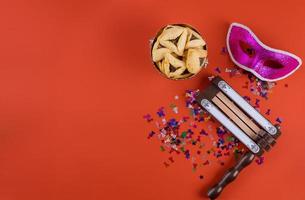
(215, 191)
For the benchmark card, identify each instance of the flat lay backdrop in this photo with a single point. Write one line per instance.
(76, 79)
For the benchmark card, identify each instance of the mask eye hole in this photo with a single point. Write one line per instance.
(273, 64)
(247, 49)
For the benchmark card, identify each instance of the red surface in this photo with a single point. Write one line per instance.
(76, 78)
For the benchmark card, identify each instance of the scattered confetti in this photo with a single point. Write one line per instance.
(183, 136)
(195, 136)
(258, 87)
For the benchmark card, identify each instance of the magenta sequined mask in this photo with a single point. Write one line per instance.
(249, 53)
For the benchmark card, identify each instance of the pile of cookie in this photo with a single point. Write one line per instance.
(179, 52)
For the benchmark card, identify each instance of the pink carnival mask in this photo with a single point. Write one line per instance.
(249, 53)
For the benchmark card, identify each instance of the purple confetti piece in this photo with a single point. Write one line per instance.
(279, 120)
(217, 69)
(161, 112)
(148, 117)
(151, 134)
(224, 50)
(268, 112)
(203, 132)
(187, 154)
(173, 122)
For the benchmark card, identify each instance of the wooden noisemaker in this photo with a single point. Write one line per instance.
(242, 120)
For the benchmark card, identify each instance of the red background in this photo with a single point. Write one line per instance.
(76, 79)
